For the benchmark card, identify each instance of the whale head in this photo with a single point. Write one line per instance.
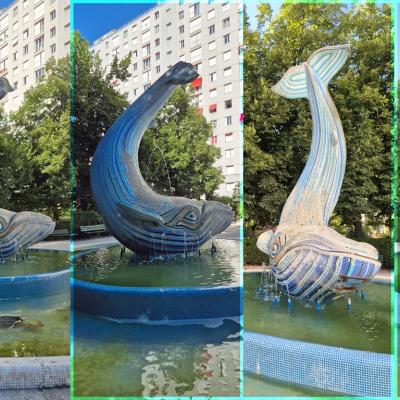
(181, 73)
(5, 87)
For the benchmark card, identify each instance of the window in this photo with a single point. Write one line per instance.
(213, 93)
(228, 88)
(4, 51)
(157, 42)
(181, 14)
(25, 65)
(195, 40)
(214, 139)
(134, 41)
(15, 41)
(212, 61)
(211, 14)
(53, 48)
(15, 56)
(228, 120)
(156, 15)
(134, 28)
(229, 153)
(15, 26)
(25, 18)
(182, 57)
(25, 49)
(39, 73)
(227, 72)
(15, 85)
(157, 29)
(227, 55)
(3, 64)
(53, 32)
(25, 34)
(181, 44)
(53, 15)
(39, 44)
(134, 53)
(4, 22)
(213, 123)
(195, 54)
(226, 38)
(211, 29)
(198, 67)
(39, 27)
(181, 29)
(115, 52)
(195, 25)
(125, 34)
(146, 23)
(107, 44)
(15, 11)
(212, 45)
(228, 104)
(125, 46)
(25, 4)
(158, 69)
(213, 76)
(135, 79)
(25, 80)
(226, 7)
(230, 169)
(198, 100)
(39, 11)
(145, 87)
(212, 108)
(146, 50)
(228, 137)
(146, 63)
(158, 56)
(38, 60)
(4, 36)
(225, 22)
(115, 41)
(135, 66)
(169, 24)
(146, 77)
(146, 36)
(230, 186)
(194, 10)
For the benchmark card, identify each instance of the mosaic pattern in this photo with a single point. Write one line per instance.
(144, 221)
(18, 231)
(345, 371)
(310, 260)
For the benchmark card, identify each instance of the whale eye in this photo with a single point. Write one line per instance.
(190, 216)
(274, 250)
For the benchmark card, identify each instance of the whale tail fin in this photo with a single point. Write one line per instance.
(326, 62)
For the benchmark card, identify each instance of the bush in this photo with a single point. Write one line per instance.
(384, 248)
(252, 255)
(90, 217)
(232, 202)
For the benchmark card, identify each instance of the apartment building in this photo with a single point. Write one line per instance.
(31, 31)
(209, 37)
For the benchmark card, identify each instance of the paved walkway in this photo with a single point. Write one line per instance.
(383, 276)
(36, 394)
(231, 233)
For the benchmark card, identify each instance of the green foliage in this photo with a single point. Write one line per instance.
(233, 202)
(85, 218)
(40, 136)
(384, 249)
(175, 152)
(278, 131)
(253, 256)
(96, 105)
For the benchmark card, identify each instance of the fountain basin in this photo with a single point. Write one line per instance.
(178, 289)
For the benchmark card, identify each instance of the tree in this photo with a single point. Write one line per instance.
(175, 154)
(278, 131)
(40, 130)
(96, 105)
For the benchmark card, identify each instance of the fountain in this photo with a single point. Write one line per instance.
(163, 282)
(296, 338)
(308, 257)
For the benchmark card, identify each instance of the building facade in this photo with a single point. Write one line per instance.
(31, 31)
(209, 37)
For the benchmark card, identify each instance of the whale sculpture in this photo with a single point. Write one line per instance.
(142, 220)
(310, 260)
(20, 230)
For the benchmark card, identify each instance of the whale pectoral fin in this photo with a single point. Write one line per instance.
(264, 241)
(326, 62)
(133, 215)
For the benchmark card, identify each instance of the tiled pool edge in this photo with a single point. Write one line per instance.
(353, 372)
(34, 372)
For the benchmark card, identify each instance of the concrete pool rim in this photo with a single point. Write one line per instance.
(335, 369)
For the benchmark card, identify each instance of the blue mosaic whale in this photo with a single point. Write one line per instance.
(310, 260)
(144, 221)
(20, 230)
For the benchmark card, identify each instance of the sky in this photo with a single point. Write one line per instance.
(5, 3)
(251, 8)
(94, 20)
